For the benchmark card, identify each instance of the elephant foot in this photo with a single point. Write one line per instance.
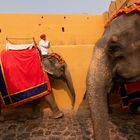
(35, 115)
(57, 115)
(2, 118)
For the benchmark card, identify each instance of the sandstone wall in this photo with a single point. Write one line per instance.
(60, 29)
(78, 59)
(72, 36)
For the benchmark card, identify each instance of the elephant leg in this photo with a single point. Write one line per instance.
(1, 116)
(35, 109)
(54, 107)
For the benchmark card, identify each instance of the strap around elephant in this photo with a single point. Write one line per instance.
(125, 10)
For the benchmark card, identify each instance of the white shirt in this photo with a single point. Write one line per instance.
(44, 45)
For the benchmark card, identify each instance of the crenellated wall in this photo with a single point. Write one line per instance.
(114, 6)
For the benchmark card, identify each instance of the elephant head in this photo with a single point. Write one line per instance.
(115, 59)
(59, 70)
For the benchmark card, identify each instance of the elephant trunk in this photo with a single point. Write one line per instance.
(97, 81)
(68, 80)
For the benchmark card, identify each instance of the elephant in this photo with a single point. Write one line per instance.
(55, 69)
(115, 60)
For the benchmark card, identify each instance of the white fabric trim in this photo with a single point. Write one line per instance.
(10, 46)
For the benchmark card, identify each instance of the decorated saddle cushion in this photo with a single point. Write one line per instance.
(22, 78)
(129, 93)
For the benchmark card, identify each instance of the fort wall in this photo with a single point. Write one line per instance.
(60, 29)
(72, 36)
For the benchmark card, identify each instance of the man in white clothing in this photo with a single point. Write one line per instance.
(44, 45)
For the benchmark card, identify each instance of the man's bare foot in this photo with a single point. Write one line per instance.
(57, 115)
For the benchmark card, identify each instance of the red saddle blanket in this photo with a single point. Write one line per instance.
(22, 78)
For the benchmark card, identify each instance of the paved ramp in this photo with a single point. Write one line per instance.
(73, 126)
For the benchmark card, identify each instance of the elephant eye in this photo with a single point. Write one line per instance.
(114, 49)
(119, 58)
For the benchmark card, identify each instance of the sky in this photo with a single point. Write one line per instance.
(54, 6)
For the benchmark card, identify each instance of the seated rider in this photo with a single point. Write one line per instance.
(44, 45)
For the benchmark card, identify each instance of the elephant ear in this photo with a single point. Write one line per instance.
(47, 66)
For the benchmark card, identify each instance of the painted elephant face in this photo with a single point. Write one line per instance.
(123, 49)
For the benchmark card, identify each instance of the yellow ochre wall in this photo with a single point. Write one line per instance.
(78, 59)
(78, 29)
(75, 44)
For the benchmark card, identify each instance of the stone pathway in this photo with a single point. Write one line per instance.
(68, 127)
(73, 126)
(125, 125)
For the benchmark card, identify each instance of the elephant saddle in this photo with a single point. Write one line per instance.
(129, 93)
(22, 78)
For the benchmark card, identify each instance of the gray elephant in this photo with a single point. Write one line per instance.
(115, 60)
(56, 68)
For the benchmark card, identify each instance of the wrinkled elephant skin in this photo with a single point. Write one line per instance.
(115, 60)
